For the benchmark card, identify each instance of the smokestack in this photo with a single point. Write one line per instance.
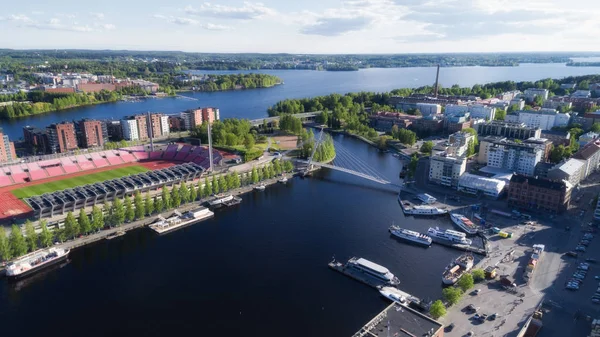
(437, 77)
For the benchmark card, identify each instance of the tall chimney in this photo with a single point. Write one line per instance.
(437, 77)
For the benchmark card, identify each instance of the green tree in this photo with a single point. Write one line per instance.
(207, 190)
(45, 235)
(452, 295)
(118, 212)
(437, 309)
(84, 222)
(158, 204)
(97, 218)
(466, 282)
(277, 166)
(382, 143)
(166, 200)
(412, 166)
(184, 192)
(148, 204)
(478, 275)
(140, 209)
(5, 251)
(215, 185)
(288, 166)
(60, 234)
(175, 197)
(71, 226)
(249, 141)
(193, 193)
(129, 212)
(557, 153)
(470, 148)
(595, 127)
(255, 177)
(222, 184)
(500, 115)
(427, 147)
(30, 236)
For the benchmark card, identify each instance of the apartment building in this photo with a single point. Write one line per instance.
(516, 157)
(531, 93)
(91, 133)
(508, 130)
(590, 154)
(446, 170)
(36, 139)
(571, 170)
(61, 137)
(7, 148)
(429, 109)
(537, 194)
(130, 129)
(544, 119)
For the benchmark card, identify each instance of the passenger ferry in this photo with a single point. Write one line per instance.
(35, 261)
(464, 223)
(423, 210)
(449, 235)
(411, 236)
(457, 268)
(220, 200)
(373, 269)
(179, 220)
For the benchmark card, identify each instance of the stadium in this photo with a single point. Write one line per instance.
(55, 186)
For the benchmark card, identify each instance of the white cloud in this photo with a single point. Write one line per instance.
(190, 22)
(55, 23)
(250, 10)
(97, 15)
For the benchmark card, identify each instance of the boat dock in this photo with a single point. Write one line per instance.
(235, 201)
(178, 220)
(356, 274)
(459, 246)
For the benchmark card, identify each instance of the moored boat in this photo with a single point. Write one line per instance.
(457, 268)
(464, 223)
(178, 220)
(449, 235)
(35, 261)
(283, 180)
(411, 236)
(218, 201)
(260, 187)
(373, 269)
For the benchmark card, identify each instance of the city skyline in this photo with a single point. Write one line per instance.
(311, 27)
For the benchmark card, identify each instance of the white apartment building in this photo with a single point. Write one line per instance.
(518, 158)
(531, 93)
(518, 102)
(446, 170)
(571, 170)
(427, 109)
(164, 125)
(482, 111)
(544, 119)
(130, 129)
(455, 110)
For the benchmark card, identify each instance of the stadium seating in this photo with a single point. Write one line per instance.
(68, 165)
(18, 175)
(84, 163)
(141, 155)
(127, 157)
(5, 180)
(98, 160)
(36, 172)
(183, 152)
(156, 155)
(112, 158)
(171, 151)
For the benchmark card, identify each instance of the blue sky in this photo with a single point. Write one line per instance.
(307, 26)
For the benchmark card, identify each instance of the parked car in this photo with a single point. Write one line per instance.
(449, 327)
(591, 260)
(580, 248)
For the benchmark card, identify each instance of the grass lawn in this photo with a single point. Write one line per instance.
(58, 185)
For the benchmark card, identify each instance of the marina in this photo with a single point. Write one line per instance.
(464, 223)
(410, 236)
(178, 220)
(366, 272)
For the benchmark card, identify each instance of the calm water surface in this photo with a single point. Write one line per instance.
(259, 269)
(253, 104)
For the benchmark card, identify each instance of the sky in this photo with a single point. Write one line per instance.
(307, 26)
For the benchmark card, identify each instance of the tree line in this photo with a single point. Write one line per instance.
(131, 208)
(230, 82)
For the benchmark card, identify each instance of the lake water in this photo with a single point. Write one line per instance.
(253, 104)
(258, 269)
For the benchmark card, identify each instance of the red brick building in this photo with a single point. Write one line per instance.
(95, 87)
(538, 194)
(142, 124)
(61, 137)
(7, 148)
(70, 90)
(91, 133)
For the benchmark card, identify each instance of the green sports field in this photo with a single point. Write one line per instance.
(58, 185)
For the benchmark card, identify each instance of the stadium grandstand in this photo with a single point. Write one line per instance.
(50, 168)
(72, 199)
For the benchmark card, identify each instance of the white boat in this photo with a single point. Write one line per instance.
(178, 220)
(35, 261)
(220, 200)
(449, 235)
(423, 210)
(464, 223)
(397, 295)
(283, 180)
(260, 187)
(457, 269)
(411, 236)
(373, 269)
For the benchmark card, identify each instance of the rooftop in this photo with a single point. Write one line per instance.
(570, 166)
(397, 320)
(538, 182)
(587, 151)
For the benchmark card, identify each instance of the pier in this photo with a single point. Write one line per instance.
(466, 248)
